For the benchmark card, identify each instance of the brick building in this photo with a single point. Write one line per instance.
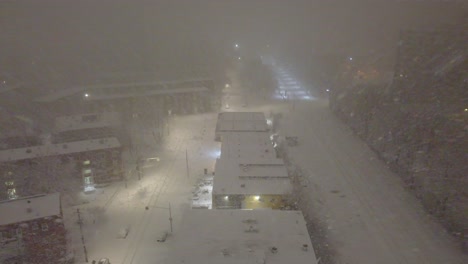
(32, 230)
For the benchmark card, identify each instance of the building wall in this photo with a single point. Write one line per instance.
(275, 202)
(39, 241)
(58, 173)
(264, 201)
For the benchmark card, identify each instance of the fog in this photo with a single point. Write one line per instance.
(121, 119)
(70, 41)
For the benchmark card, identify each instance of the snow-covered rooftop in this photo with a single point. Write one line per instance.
(241, 122)
(248, 145)
(125, 89)
(75, 122)
(58, 149)
(242, 236)
(233, 176)
(29, 208)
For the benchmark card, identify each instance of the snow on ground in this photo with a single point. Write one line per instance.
(141, 206)
(361, 207)
(367, 215)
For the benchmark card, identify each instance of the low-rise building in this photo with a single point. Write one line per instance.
(240, 122)
(242, 236)
(86, 121)
(247, 145)
(251, 183)
(32, 230)
(93, 160)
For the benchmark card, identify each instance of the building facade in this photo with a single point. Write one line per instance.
(32, 231)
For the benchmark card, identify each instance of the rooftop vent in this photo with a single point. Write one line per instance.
(274, 250)
(250, 221)
(225, 252)
(252, 229)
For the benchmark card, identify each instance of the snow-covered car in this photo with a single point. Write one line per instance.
(104, 261)
(161, 237)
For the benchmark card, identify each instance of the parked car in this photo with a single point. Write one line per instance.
(104, 261)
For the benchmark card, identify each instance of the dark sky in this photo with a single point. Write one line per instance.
(64, 39)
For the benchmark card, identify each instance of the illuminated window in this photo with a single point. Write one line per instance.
(88, 180)
(12, 194)
(9, 183)
(87, 171)
(86, 162)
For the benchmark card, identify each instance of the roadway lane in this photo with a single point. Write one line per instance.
(361, 211)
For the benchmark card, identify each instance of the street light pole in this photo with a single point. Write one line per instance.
(170, 216)
(186, 161)
(167, 208)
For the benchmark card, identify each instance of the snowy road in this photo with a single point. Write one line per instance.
(368, 215)
(363, 210)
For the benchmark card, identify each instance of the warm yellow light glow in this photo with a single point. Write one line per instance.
(257, 198)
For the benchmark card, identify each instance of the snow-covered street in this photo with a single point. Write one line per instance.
(141, 208)
(358, 208)
(366, 214)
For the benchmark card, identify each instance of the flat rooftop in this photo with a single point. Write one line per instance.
(58, 149)
(242, 236)
(247, 145)
(233, 176)
(123, 89)
(29, 208)
(241, 122)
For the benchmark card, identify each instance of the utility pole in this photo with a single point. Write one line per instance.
(138, 169)
(186, 162)
(170, 216)
(167, 208)
(80, 222)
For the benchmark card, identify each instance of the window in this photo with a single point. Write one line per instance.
(19, 232)
(11, 192)
(89, 118)
(44, 227)
(9, 183)
(88, 180)
(86, 162)
(34, 226)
